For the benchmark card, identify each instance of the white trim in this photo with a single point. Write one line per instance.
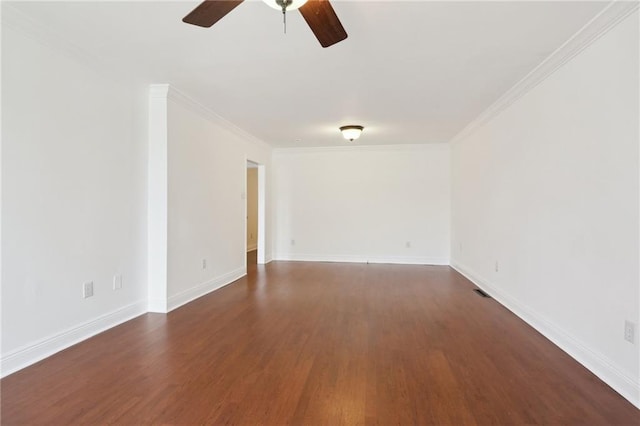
(208, 114)
(399, 260)
(597, 363)
(17, 20)
(200, 290)
(158, 91)
(252, 247)
(604, 21)
(358, 148)
(245, 205)
(261, 244)
(32, 353)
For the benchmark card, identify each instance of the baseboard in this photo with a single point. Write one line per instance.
(597, 363)
(200, 290)
(401, 260)
(251, 248)
(30, 354)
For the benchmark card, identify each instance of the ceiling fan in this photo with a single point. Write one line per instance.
(319, 14)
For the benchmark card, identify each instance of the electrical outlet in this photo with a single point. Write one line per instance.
(87, 289)
(629, 331)
(497, 266)
(117, 282)
(204, 263)
(408, 244)
(293, 242)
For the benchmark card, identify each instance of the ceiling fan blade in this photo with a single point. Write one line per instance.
(210, 11)
(323, 21)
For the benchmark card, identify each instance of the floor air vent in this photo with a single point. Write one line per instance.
(481, 293)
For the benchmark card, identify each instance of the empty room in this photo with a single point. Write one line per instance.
(320, 212)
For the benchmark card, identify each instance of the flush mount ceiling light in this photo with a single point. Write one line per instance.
(351, 132)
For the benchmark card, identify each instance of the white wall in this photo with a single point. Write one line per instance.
(73, 198)
(206, 206)
(363, 204)
(74, 195)
(549, 189)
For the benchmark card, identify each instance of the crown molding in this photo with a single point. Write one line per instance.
(158, 91)
(359, 148)
(614, 13)
(18, 21)
(188, 102)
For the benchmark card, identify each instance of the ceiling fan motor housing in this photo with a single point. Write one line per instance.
(284, 4)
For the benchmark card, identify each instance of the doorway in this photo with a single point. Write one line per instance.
(254, 214)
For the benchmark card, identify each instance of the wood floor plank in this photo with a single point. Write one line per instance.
(319, 344)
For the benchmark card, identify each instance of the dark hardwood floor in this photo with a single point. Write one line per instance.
(319, 343)
(252, 258)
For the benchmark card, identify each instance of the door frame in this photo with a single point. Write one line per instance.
(261, 243)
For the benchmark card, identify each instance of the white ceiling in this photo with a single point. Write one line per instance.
(410, 72)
